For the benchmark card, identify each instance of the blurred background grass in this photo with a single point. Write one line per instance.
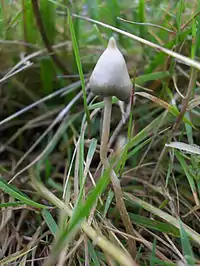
(161, 186)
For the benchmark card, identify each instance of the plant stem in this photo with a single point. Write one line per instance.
(115, 181)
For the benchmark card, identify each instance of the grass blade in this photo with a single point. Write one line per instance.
(163, 215)
(50, 221)
(79, 65)
(185, 60)
(187, 249)
(17, 194)
(188, 175)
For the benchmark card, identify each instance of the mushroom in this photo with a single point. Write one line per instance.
(110, 78)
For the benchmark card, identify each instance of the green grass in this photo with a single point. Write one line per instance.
(57, 204)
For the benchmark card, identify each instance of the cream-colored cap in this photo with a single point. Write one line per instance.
(110, 76)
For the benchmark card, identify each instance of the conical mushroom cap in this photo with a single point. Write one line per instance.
(110, 76)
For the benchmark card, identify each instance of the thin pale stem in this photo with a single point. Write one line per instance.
(105, 130)
(115, 181)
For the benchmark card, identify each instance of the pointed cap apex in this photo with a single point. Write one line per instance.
(112, 43)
